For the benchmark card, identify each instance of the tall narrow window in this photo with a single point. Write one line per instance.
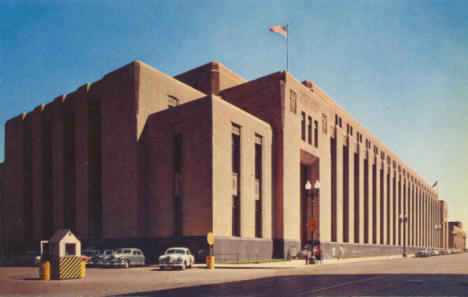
(178, 193)
(258, 186)
(333, 190)
(69, 203)
(357, 213)
(47, 213)
(235, 180)
(28, 211)
(303, 132)
(345, 194)
(95, 215)
(309, 130)
(316, 142)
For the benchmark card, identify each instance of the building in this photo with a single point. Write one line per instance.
(444, 226)
(457, 237)
(150, 160)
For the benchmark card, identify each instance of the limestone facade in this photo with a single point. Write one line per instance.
(146, 159)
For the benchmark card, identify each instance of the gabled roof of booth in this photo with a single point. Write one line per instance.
(60, 234)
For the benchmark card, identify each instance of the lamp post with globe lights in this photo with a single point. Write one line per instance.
(404, 220)
(312, 194)
(437, 228)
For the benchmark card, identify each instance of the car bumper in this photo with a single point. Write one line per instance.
(171, 265)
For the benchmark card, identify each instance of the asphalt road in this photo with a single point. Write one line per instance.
(434, 276)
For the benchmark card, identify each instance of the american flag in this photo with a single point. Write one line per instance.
(280, 29)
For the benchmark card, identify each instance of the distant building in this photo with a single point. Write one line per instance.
(144, 159)
(457, 237)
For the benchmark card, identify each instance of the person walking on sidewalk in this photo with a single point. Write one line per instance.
(341, 253)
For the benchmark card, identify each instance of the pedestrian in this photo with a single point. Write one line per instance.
(319, 255)
(308, 256)
(341, 252)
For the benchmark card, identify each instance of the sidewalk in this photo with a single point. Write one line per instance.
(297, 263)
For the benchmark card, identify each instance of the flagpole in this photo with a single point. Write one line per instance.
(287, 47)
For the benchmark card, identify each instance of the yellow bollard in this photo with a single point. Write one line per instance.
(44, 271)
(210, 262)
(83, 269)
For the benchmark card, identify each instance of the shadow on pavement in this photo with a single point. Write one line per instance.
(331, 285)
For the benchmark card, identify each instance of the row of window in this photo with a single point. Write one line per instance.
(311, 125)
(359, 139)
(236, 174)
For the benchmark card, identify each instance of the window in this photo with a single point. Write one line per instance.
(303, 133)
(292, 101)
(258, 186)
(70, 249)
(309, 130)
(177, 183)
(236, 176)
(177, 142)
(316, 134)
(338, 120)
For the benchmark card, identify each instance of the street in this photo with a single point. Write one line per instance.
(433, 276)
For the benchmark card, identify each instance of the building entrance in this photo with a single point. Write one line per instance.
(310, 202)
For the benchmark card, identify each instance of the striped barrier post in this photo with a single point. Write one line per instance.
(67, 268)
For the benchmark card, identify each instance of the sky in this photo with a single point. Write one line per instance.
(400, 68)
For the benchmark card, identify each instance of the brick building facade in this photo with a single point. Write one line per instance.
(457, 237)
(150, 160)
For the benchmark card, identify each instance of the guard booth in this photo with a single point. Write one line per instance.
(65, 255)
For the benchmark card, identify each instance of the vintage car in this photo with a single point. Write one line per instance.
(100, 259)
(176, 257)
(126, 257)
(423, 253)
(86, 255)
(29, 258)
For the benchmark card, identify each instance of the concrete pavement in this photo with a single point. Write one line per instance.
(300, 263)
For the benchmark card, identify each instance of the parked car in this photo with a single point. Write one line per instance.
(423, 253)
(29, 258)
(434, 253)
(86, 255)
(126, 257)
(176, 257)
(102, 257)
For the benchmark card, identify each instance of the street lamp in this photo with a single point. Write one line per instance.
(312, 194)
(404, 219)
(437, 228)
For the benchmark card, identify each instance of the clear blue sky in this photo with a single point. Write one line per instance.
(399, 67)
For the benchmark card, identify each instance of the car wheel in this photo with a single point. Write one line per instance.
(127, 264)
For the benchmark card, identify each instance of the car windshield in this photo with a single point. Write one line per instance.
(175, 251)
(108, 252)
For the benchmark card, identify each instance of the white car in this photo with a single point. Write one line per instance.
(176, 257)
